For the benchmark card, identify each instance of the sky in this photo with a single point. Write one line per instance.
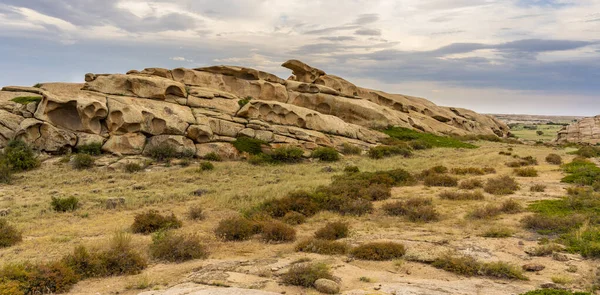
(492, 56)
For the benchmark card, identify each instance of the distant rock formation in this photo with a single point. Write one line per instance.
(586, 130)
(202, 110)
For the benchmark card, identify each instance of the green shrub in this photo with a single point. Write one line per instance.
(176, 248)
(404, 208)
(405, 134)
(545, 250)
(244, 101)
(378, 251)
(286, 154)
(26, 99)
(64, 204)
(351, 169)
(548, 224)
(554, 159)
(302, 202)
(260, 159)
(460, 196)
(235, 229)
(538, 188)
(323, 247)
(162, 152)
(350, 149)
(383, 151)
(305, 275)
(526, 172)
(440, 180)
(468, 170)
(51, 277)
(9, 235)
(82, 161)
(585, 241)
(195, 213)
(326, 154)
(333, 231)
(19, 156)
(420, 145)
(92, 149)
(293, 218)
(490, 211)
(470, 184)
(356, 207)
(501, 185)
(151, 221)
(5, 173)
(249, 145)
(274, 231)
(206, 166)
(212, 157)
(588, 152)
(133, 167)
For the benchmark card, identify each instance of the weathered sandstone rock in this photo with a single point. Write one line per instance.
(586, 130)
(303, 72)
(181, 144)
(126, 144)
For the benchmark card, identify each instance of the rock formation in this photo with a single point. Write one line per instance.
(198, 111)
(586, 130)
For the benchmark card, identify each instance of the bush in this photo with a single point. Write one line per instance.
(545, 250)
(501, 185)
(588, 152)
(554, 159)
(276, 232)
(405, 134)
(440, 180)
(538, 188)
(498, 232)
(212, 157)
(176, 248)
(133, 167)
(349, 149)
(351, 169)
(489, 211)
(468, 266)
(19, 156)
(286, 154)
(420, 145)
(472, 183)
(379, 251)
(64, 204)
(260, 159)
(151, 221)
(461, 196)
(356, 207)
(333, 231)
(27, 99)
(82, 161)
(244, 101)
(554, 292)
(195, 213)
(293, 218)
(468, 170)
(5, 173)
(302, 202)
(249, 145)
(323, 247)
(383, 151)
(305, 275)
(9, 235)
(235, 229)
(51, 277)
(162, 152)
(206, 166)
(326, 154)
(526, 172)
(552, 224)
(92, 149)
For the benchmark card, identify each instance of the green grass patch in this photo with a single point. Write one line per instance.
(27, 99)
(405, 134)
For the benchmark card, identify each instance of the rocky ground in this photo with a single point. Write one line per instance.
(253, 267)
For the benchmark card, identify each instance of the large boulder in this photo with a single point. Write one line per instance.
(45, 137)
(586, 130)
(126, 144)
(242, 73)
(303, 72)
(223, 149)
(153, 87)
(180, 144)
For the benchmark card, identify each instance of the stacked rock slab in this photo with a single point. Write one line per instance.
(199, 111)
(586, 130)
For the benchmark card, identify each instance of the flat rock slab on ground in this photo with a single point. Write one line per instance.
(191, 289)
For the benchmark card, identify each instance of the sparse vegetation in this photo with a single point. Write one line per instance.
(274, 231)
(244, 101)
(176, 248)
(236, 229)
(206, 166)
(473, 171)
(64, 204)
(415, 209)
(18, 156)
(405, 134)
(350, 149)
(498, 232)
(588, 151)
(501, 185)
(351, 169)
(133, 167)
(293, 218)
(537, 188)
(151, 221)
(378, 251)
(196, 213)
(554, 159)
(9, 235)
(490, 210)
(441, 180)
(468, 266)
(249, 145)
(326, 154)
(384, 151)
(212, 156)
(306, 274)
(333, 231)
(469, 184)
(554, 292)
(286, 154)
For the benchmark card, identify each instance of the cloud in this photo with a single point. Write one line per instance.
(338, 38)
(364, 19)
(368, 32)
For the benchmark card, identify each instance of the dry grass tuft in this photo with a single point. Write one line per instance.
(379, 251)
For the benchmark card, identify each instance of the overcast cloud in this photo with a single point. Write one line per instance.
(501, 56)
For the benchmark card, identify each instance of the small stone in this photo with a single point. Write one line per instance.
(533, 267)
(327, 286)
(377, 288)
(560, 257)
(199, 192)
(138, 187)
(328, 169)
(521, 243)
(550, 286)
